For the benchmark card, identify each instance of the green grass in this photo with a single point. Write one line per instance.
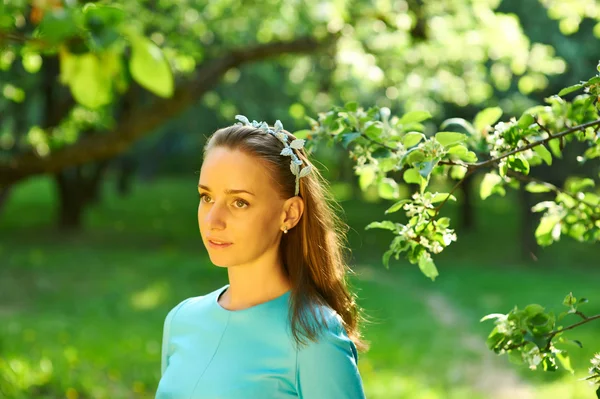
(81, 314)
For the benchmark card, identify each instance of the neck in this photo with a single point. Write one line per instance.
(253, 285)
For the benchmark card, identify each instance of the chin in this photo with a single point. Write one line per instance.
(219, 262)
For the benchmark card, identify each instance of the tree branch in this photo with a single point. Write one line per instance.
(141, 121)
(587, 320)
(551, 334)
(12, 37)
(536, 143)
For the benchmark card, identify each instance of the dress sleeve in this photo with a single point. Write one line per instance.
(328, 368)
(165, 353)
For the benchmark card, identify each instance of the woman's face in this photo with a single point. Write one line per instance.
(238, 205)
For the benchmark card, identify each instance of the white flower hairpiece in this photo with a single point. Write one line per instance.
(288, 148)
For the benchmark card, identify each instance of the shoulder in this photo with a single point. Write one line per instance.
(331, 336)
(328, 366)
(189, 303)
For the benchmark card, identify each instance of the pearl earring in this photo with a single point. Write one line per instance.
(285, 230)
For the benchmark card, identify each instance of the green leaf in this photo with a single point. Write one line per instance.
(88, 81)
(386, 224)
(595, 80)
(460, 122)
(492, 316)
(412, 156)
(373, 130)
(491, 183)
(534, 187)
(518, 163)
(381, 153)
(534, 309)
(150, 68)
(448, 139)
(543, 152)
(411, 139)
(414, 117)
(367, 176)
(554, 145)
(591, 198)
(569, 300)
(525, 121)
(57, 26)
(388, 189)
(351, 106)
(463, 153)
(412, 176)
(302, 134)
(386, 258)
(570, 89)
(487, 117)
(427, 265)
(576, 184)
(539, 340)
(575, 342)
(548, 230)
(397, 206)
(425, 168)
(458, 172)
(349, 137)
(439, 197)
(495, 340)
(549, 364)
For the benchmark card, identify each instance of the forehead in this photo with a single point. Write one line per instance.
(223, 169)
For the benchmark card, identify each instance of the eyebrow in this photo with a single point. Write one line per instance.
(227, 191)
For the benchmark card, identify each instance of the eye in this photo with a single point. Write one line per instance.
(241, 201)
(202, 196)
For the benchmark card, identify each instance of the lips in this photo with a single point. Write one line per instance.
(218, 242)
(214, 243)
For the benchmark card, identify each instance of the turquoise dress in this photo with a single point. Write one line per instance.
(210, 352)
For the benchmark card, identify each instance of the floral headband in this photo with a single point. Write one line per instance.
(288, 148)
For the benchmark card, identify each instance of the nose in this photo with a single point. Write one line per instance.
(214, 218)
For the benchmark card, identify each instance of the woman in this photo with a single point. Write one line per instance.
(286, 325)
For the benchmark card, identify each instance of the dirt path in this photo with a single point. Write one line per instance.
(489, 376)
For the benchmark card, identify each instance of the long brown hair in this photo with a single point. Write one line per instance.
(314, 251)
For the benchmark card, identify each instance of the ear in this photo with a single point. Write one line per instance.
(293, 208)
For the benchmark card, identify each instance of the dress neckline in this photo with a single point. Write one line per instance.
(260, 306)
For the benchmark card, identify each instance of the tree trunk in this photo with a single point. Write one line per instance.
(467, 214)
(70, 201)
(4, 194)
(529, 246)
(126, 172)
(77, 191)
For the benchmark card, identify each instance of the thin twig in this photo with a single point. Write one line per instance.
(536, 143)
(550, 186)
(22, 39)
(586, 320)
(544, 128)
(580, 314)
(551, 334)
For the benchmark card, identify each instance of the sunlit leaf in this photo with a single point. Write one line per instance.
(150, 68)
(487, 117)
(448, 139)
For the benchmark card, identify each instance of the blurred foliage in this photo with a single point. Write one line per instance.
(381, 143)
(421, 55)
